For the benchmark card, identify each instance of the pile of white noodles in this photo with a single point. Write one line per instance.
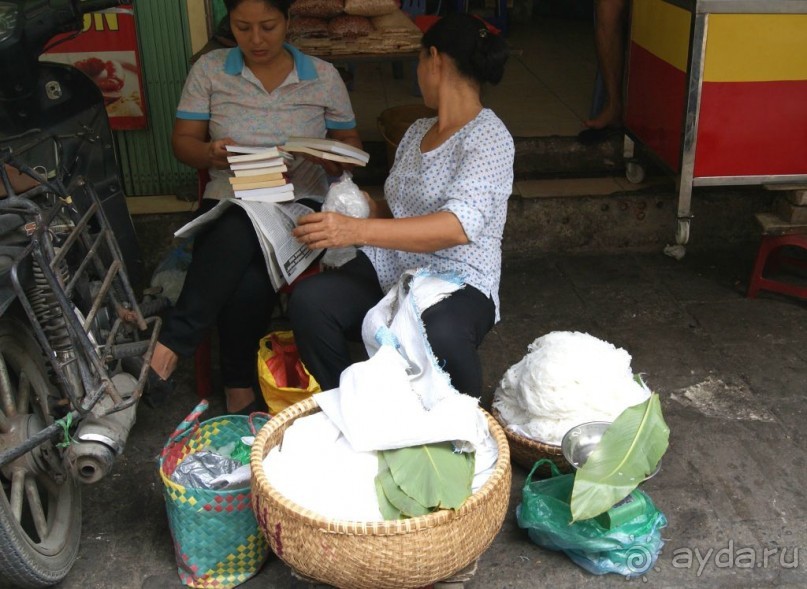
(566, 378)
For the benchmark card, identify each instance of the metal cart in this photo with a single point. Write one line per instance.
(717, 92)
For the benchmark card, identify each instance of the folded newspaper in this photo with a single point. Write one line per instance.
(285, 257)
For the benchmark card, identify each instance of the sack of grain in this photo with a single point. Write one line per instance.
(370, 7)
(317, 8)
(307, 27)
(348, 26)
(395, 22)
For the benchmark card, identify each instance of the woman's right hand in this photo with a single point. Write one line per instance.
(218, 153)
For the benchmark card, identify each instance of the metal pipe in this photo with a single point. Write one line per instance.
(45, 435)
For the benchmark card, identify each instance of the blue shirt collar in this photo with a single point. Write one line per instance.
(302, 63)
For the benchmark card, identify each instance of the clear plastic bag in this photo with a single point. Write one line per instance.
(346, 198)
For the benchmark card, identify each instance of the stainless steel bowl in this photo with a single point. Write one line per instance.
(580, 441)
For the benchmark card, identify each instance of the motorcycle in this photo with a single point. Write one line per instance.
(75, 342)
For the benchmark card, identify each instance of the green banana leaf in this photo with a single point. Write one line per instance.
(629, 451)
(387, 509)
(433, 475)
(394, 503)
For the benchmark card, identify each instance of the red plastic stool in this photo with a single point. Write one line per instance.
(769, 253)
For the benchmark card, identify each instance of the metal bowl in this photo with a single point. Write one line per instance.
(580, 441)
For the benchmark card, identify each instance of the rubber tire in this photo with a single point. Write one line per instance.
(634, 172)
(682, 232)
(23, 562)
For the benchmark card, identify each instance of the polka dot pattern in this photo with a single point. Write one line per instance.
(470, 175)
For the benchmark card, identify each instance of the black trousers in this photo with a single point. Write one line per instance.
(327, 311)
(227, 285)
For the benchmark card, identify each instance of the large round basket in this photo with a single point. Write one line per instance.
(396, 554)
(526, 452)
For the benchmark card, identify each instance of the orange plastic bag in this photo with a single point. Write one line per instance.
(283, 378)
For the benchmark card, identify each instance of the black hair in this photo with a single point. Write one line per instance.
(281, 5)
(478, 54)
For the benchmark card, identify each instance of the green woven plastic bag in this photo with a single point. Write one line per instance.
(217, 542)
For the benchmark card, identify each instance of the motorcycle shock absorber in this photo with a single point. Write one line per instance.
(47, 309)
(51, 318)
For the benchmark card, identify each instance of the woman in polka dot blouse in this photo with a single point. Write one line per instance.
(445, 209)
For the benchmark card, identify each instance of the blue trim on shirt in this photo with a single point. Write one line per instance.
(193, 116)
(336, 125)
(234, 62)
(306, 70)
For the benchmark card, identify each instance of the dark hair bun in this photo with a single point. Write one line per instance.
(489, 56)
(478, 53)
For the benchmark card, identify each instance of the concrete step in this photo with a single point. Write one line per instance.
(582, 215)
(535, 157)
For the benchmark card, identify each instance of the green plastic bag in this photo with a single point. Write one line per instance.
(629, 549)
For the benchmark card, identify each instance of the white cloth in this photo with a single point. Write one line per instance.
(376, 408)
(400, 397)
(395, 321)
(318, 469)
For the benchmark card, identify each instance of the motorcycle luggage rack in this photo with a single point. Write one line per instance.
(87, 361)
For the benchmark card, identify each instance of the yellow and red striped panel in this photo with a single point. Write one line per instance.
(657, 65)
(753, 117)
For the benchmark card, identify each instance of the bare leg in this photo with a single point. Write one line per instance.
(609, 35)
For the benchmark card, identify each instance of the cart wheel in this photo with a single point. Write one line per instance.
(682, 234)
(634, 172)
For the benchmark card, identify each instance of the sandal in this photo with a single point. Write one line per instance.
(157, 390)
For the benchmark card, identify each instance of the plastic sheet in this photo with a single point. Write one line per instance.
(199, 469)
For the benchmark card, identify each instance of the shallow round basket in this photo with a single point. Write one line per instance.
(398, 554)
(526, 452)
(394, 122)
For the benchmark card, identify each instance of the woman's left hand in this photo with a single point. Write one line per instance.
(323, 230)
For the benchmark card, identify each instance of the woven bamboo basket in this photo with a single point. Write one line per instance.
(397, 554)
(526, 452)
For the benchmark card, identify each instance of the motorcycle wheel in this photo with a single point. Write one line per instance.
(40, 506)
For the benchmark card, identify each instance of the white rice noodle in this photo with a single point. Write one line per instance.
(565, 379)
